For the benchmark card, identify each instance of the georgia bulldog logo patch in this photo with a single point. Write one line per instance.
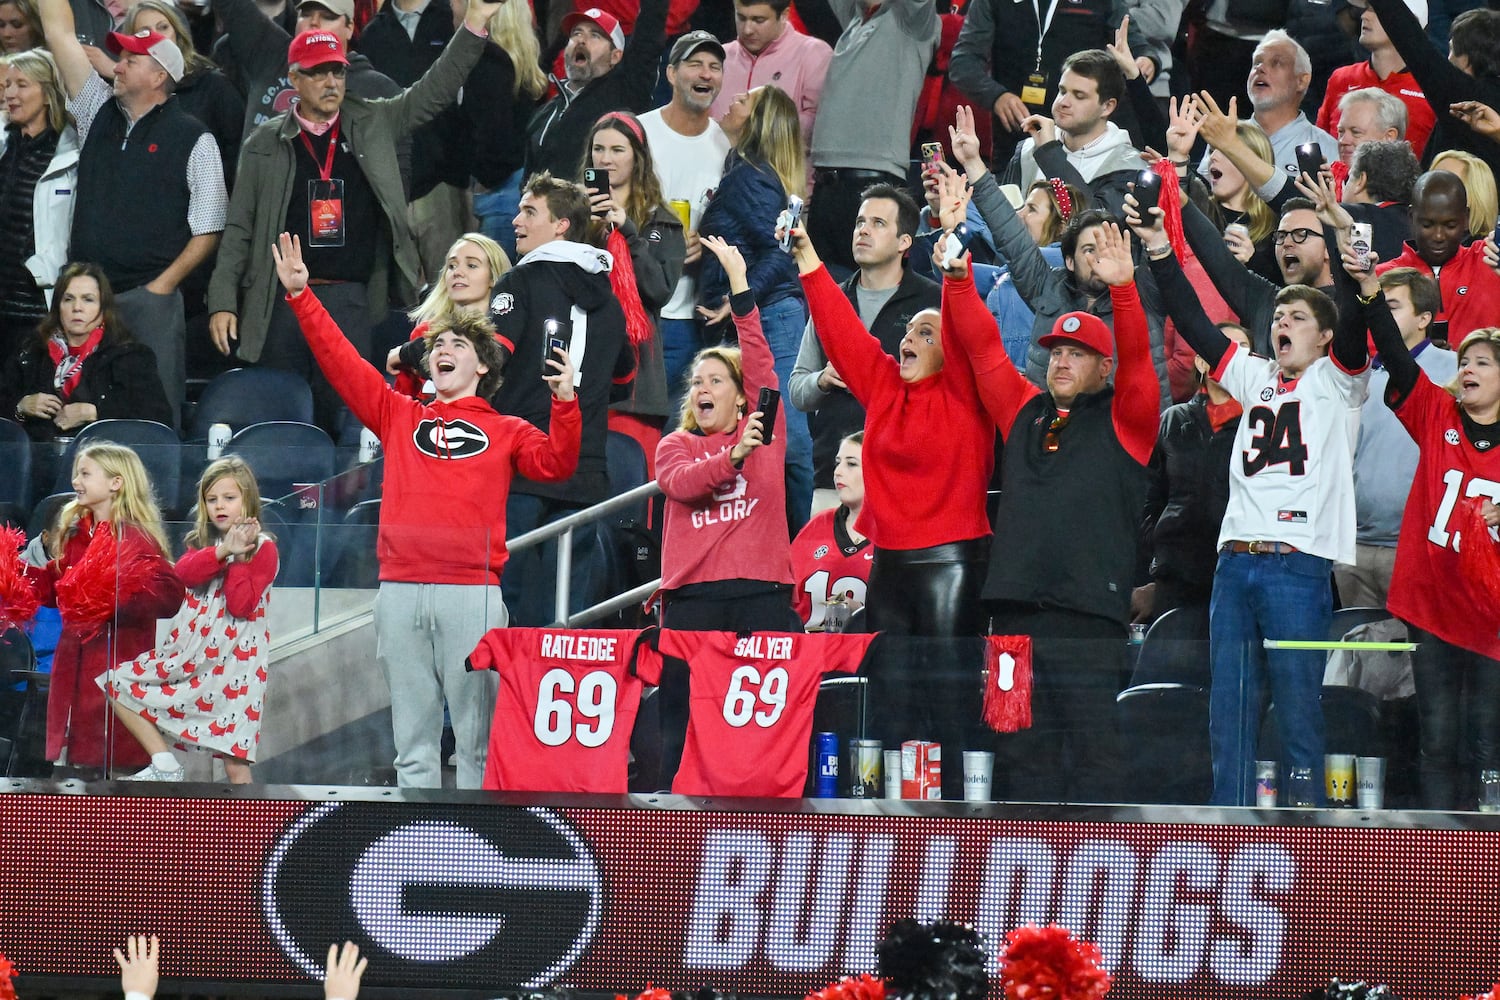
(502, 303)
(450, 439)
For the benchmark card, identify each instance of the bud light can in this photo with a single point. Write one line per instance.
(827, 757)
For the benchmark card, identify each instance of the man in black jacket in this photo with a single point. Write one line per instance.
(559, 289)
(886, 294)
(604, 73)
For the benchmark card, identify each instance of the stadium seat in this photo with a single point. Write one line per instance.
(1351, 724)
(1345, 619)
(349, 550)
(1175, 650)
(157, 445)
(23, 707)
(241, 397)
(15, 485)
(285, 454)
(1166, 728)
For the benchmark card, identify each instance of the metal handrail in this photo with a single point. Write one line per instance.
(562, 529)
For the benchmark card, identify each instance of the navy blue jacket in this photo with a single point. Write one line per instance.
(743, 211)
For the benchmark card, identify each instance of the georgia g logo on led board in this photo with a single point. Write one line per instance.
(498, 897)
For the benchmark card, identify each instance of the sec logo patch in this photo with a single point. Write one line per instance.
(1450, 436)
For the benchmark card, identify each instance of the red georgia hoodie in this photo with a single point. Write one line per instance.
(448, 466)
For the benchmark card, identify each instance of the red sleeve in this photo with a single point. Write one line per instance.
(488, 653)
(966, 319)
(855, 352)
(357, 382)
(1330, 102)
(553, 456)
(198, 566)
(1137, 402)
(685, 479)
(844, 651)
(648, 664)
(245, 582)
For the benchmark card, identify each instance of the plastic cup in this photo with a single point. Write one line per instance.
(1338, 779)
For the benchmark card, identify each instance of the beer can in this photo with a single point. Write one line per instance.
(864, 769)
(827, 756)
(892, 759)
(921, 770)
(684, 210)
(1361, 236)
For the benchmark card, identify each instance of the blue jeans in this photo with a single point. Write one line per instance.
(783, 323)
(681, 340)
(497, 208)
(1258, 597)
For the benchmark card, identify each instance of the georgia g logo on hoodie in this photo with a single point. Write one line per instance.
(449, 439)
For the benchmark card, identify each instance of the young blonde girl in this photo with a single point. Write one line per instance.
(475, 262)
(204, 686)
(110, 579)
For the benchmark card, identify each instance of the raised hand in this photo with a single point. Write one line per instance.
(1113, 263)
(1217, 127)
(965, 142)
(1183, 122)
(560, 381)
(1361, 271)
(289, 267)
(1041, 129)
(751, 438)
(139, 963)
(1120, 49)
(1152, 232)
(1478, 116)
(953, 197)
(342, 974)
(730, 259)
(1320, 192)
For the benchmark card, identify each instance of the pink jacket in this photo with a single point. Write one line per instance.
(795, 63)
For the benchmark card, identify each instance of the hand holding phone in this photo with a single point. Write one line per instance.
(596, 179)
(554, 343)
(768, 404)
(1147, 192)
(790, 218)
(1310, 160)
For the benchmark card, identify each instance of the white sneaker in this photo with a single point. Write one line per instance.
(153, 773)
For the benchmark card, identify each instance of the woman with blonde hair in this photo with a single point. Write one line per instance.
(39, 160)
(20, 27)
(766, 168)
(473, 265)
(110, 579)
(204, 92)
(204, 686)
(491, 117)
(1479, 182)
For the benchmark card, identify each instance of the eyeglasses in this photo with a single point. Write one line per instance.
(336, 70)
(1049, 443)
(1298, 236)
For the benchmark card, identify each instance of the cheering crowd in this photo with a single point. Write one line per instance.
(841, 280)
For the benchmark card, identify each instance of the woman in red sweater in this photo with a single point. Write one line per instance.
(929, 451)
(726, 559)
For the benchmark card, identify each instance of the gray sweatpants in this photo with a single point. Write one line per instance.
(423, 634)
(158, 322)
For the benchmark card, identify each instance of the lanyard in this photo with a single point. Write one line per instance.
(326, 170)
(1042, 27)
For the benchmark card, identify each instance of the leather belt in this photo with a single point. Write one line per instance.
(1258, 548)
(327, 281)
(854, 174)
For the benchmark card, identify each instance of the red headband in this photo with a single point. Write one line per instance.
(1063, 199)
(626, 120)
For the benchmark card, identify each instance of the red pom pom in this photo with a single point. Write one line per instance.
(108, 575)
(860, 987)
(7, 973)
(1048, 963)
(1478, 555)
(18, 601)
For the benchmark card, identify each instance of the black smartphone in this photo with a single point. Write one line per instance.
(554, 343)
(1310, 159)
(957, 245)
(596, 179)
(1147, 193)
(770, 401)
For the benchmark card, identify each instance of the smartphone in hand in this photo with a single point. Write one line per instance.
(1147, 193)
(768, 404)
(596, 179)
(1310, 159)
(554, 343)
(792, 216)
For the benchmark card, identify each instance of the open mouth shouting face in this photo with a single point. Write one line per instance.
(921, 350)
(1479, 381)
(454, 366)
(715, 396)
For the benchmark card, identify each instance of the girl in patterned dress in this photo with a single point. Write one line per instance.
(204, 685)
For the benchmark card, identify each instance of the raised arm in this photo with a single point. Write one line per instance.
(62, 40)
(1183, 306)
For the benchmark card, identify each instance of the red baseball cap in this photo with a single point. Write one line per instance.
(316, 47)
(149, 43)
(1081, 328)
(607, 23)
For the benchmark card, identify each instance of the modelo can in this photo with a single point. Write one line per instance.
(864, 768)
(827, 756)
(921, 770)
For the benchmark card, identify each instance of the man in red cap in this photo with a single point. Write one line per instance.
(326, 170)
(1063, 557)
(150, 202)
(604, 73)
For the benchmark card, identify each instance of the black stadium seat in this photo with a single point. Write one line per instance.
(157, 444)
(244, 396)
(284, 455)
